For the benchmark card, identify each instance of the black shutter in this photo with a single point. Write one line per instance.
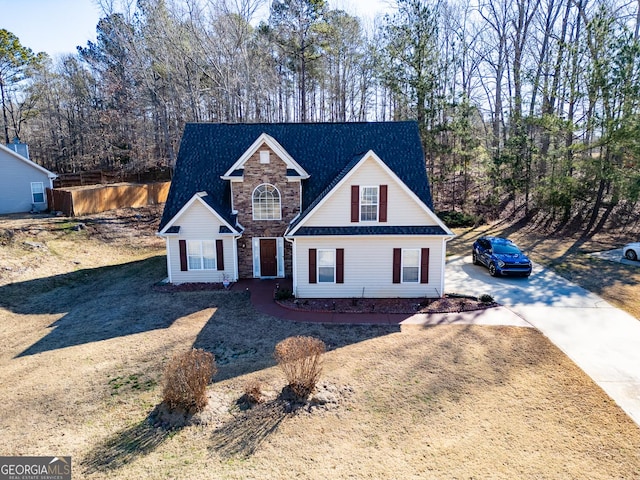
(183, 255)
(397, 264)
(339, 265)
(312, 265)
(219, 255)
(424, 265)
(355, 203)
(383, 203)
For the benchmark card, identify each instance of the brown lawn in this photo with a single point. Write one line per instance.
(85, 337)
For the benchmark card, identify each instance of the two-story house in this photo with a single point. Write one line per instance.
(344, 209)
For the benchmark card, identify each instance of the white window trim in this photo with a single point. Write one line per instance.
(402, 280)
(265, 156)
(253, 203)
(41, 192)
(202, 267)
(362, 190)
(335, 267)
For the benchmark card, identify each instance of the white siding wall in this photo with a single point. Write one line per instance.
(198, 223)
(15, 184)
(368, 268)
(401, 208)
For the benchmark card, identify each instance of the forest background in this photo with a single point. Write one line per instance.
(525, 107)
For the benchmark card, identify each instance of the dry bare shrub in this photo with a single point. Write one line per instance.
(186, 378)
(253, 392)
(300, 358)
(6, 237)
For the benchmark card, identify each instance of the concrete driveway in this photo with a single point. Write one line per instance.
(602, 340)
(615, 256)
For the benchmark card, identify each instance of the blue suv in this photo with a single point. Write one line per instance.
(501, 256)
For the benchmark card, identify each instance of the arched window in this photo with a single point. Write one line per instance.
(266, 203)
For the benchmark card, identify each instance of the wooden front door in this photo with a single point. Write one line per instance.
(268, 257)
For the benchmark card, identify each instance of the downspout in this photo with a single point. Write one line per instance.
(235, 257)
(294, 256)
(294, 265)
(166, 240)
(443, 263)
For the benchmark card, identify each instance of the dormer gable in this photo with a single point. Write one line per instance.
(294, 171)
(409, 210)
(204, 199)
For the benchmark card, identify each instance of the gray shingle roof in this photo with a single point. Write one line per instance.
(325, 150)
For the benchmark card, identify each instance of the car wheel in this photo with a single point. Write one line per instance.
(631, 254)
(492, 270)
(475, 259)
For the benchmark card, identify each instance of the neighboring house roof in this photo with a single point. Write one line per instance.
(19, 157)
(325, 151)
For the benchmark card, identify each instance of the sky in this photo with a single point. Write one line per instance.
(58, 26)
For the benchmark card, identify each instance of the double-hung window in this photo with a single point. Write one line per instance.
(37, 192)
(369, 201)
(201, 254)
(410, 265)
(326, 266)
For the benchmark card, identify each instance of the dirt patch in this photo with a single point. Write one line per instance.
(446, 304)
(222, 406)
(43, 245)
(217, 410)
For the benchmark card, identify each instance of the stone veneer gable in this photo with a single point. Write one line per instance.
(256, 173)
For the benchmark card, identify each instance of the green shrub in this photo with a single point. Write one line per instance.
(486, 298)
(300, 359)
(284, 294)
(186, 377)
(453, 219)
(6, 237)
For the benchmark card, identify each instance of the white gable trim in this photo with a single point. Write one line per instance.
(17, 156)
(278, 150)
(372, 155)
(196, 198)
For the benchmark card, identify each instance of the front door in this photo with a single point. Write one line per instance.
(268, 257)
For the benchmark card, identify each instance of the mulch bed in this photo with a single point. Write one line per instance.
(446, 304)
(189, 287)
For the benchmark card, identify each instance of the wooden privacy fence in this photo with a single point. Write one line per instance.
(99, 198)
(94, 177)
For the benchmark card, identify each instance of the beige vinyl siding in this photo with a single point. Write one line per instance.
(15, 184)
(198, 223)
(368, 267)
(401, 208)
